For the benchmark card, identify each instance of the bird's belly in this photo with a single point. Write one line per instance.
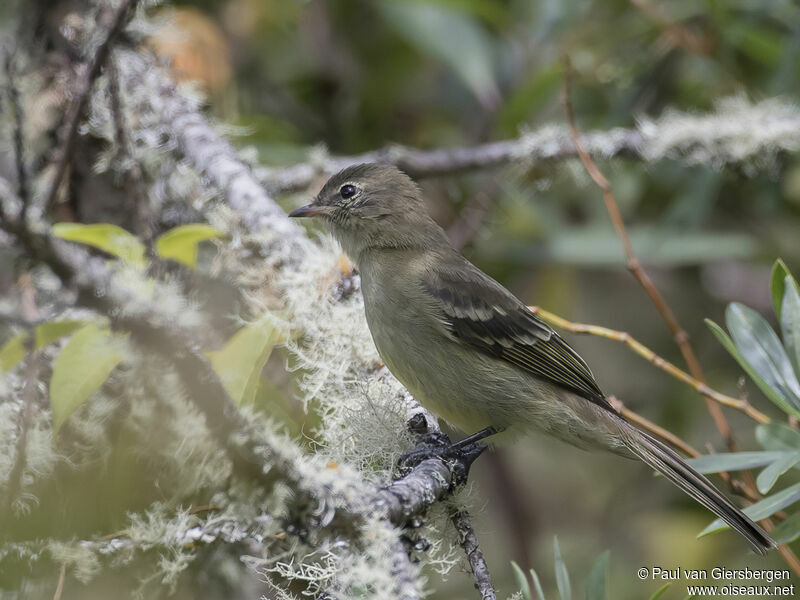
(472, 390)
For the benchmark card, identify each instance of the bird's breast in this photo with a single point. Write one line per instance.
(459, 384)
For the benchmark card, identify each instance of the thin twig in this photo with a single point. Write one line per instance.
(23, 190)
(62, 574)
(674, 31)
(30, 314)
(636, 269)
(469, 222)
(28, 402)
(657, 430)
(636, 346)
(133, 174)
(75, 110)
(477, 563)
(681, 336)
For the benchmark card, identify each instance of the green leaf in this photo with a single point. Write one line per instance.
(790, 323)
(660, 592)
(596, 585)
(106, 237)
(455, 39)
(777, 436)
(771, 394)
(767, 478)
(12, 352)
(777, 285)
(80, 369)
(522, 581)
(180, 243)
(562, 576)
(762, 348)
(49, 332)
(733, 461)
(788, 531)
(537, 585)
(239, 363)
(761, 509)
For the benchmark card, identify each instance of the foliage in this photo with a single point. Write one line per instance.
(766, 358)
(595, 584)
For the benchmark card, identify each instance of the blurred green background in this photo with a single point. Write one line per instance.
(356, 75)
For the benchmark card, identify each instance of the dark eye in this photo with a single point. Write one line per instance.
(347, 191)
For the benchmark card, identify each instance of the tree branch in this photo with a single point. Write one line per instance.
(714, 139)
(636, 346)
(477, 564)
(75, 110)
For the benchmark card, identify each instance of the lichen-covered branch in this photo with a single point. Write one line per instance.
(469, 542)
(739, 133)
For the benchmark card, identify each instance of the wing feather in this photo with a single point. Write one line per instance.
(477, 310)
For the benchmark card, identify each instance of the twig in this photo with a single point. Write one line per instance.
(674, 31)
(75, 110)
(657, 430)
(680, 335)
(133, 175)
(19, 135)
(30, 315)
(28, 402)
(625, 338)
(61, 577)
(635, 267)
(468, 541)
(464, 229)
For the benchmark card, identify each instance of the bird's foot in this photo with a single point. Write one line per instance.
(437, 445)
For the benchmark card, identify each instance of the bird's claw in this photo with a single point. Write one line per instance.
(437, 445)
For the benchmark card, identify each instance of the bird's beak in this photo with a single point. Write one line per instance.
(311, 210)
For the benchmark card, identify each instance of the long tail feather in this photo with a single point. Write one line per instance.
(664, 460)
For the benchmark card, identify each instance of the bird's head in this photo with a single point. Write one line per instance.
(373, 206)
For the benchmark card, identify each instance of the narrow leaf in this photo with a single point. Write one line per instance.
(537, 585)
(768, 476)
(790, 323)
(761, 347)
(562, 576)
(180, 243)
(12, 352)
(788, 531)
(239, 363)
(761, 509)
(660, 592)
(770, 393)
(777, 436)
(733, 461)
(522, 581)
(596, 585)
(80, 369)
(106, 237)
(777, 285)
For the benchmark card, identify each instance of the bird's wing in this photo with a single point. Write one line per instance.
(475, 309)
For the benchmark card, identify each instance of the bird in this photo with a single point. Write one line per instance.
(467, 348)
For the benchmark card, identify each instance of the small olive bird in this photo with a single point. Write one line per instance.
(467, 348)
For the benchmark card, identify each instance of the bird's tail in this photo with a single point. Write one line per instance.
(667, 462)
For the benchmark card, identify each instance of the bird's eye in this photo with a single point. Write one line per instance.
(347, 191)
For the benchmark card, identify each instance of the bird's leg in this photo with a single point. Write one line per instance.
(475, 437)
(437, 445)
